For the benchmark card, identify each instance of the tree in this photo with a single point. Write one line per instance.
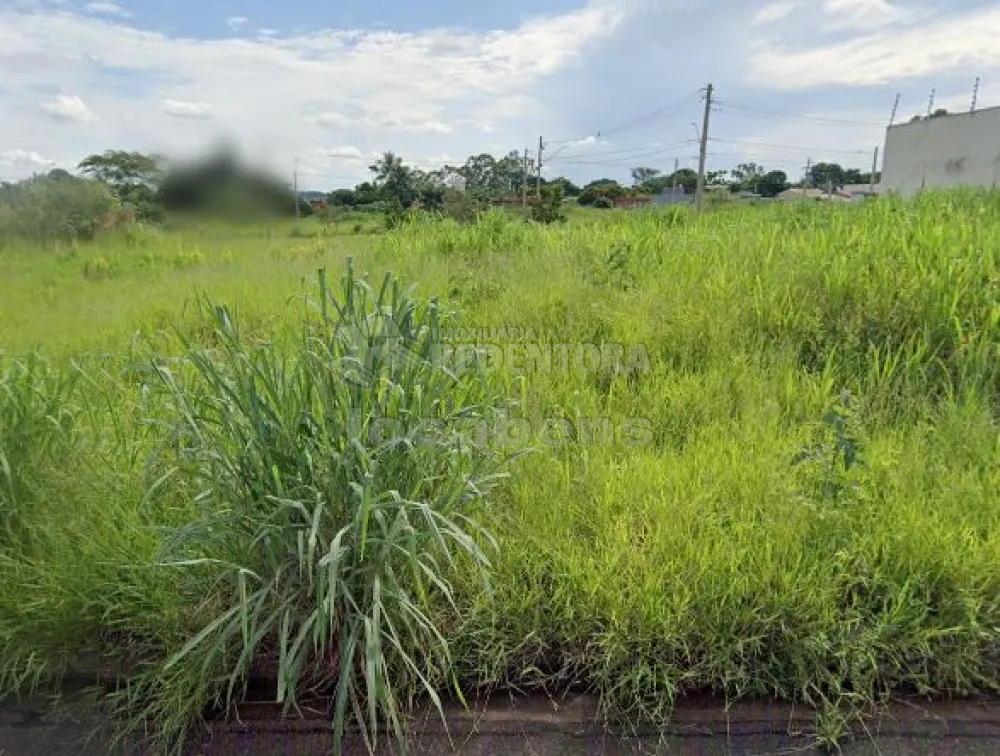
(122, 170)
(772, 183)
(394, 180)
(746, 177)
(685, 177)
(601, 193)
(853, 176)
(366, 193)
(342, 198)
(827, 174)
(642, 176)
(568, 187)
(135, 178)
(549, 209)
(716, 178)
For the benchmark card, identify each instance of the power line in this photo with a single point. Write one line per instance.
(586, 155)
(650, 117)
(646, 118)
(749, 143)
(629, 158)
(787, 116)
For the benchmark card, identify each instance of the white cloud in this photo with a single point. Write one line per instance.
(108, 9)
(195, 111)
(775, 11)
(950, 44)
(375, 89)
(237, 22)
(412, 121)
(24, 160)
(863, 14)
(69, 108)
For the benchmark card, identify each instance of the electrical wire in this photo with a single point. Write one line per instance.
(646, 118)
(588, 155)
(787, 116)
(625, 159)
(788, 147)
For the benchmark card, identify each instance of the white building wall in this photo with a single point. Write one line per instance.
(944, 151)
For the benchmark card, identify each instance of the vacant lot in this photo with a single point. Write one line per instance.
(754, 453)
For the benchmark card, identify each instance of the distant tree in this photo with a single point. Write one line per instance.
(342, 198)
(642, 176)
(938, 113)
(746, 177)
(569, 188)
(134, 176)
(827, 174)
(685, 177)
(366, 193)
(852, 176)
(122, 170)
(599, 193)
(395, 181)
(657, 185)
(772, 183)
(717, 178)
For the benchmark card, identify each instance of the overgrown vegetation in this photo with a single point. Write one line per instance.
(813, 516)
(57, 207)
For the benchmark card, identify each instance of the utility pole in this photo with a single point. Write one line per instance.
(524, 180)
(975, 95)
(703, 152)
(874, 169)
(930, 105)
(538, 180)
(895, 107)
(673, 178)
(808, 179)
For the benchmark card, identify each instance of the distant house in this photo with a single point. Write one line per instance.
(858, 192)
(672, 195)
(808, 193)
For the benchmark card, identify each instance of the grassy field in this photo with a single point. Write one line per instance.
(779, 476)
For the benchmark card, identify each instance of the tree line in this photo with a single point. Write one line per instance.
(144, 186)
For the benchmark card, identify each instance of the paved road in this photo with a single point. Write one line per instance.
(536, 726)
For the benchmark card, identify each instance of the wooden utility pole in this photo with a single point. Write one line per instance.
(538, 180)
(975, 95)
(703, 151)
(874, 169)
(524, 180)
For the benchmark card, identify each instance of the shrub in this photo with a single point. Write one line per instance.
(47, 209)
(549, 210)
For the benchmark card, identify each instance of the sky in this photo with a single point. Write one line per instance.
(607, 84)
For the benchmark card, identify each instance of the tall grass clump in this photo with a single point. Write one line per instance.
(326, 528)
(37, 420)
